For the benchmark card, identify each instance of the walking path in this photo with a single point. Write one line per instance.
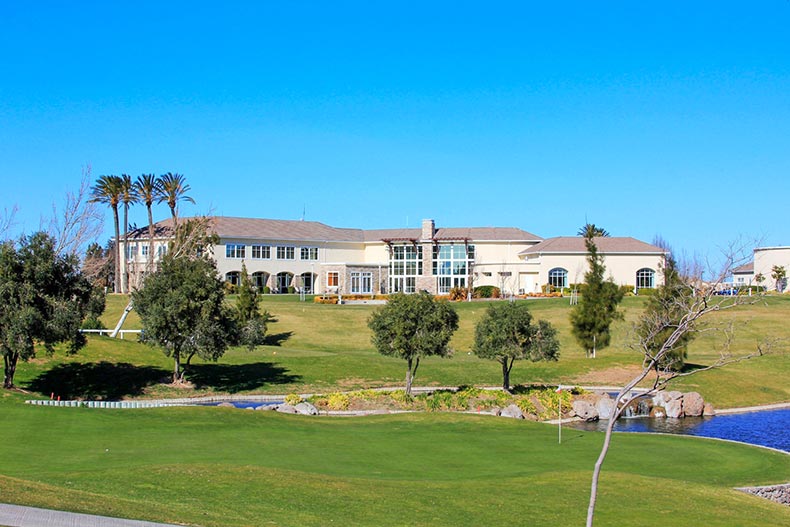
(18, 516)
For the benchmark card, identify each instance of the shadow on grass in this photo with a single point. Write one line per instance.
(277, 339)
(97, 380)
(234, 378)
(688, 367)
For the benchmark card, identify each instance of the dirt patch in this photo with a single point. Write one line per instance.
(611, 376)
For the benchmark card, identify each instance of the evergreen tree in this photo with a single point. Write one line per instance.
(593, 316)
(506, 333)
(43, 298)
(252, 321)
(664, 313)
(411, 327)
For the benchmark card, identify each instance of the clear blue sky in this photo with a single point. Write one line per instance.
(645, 118)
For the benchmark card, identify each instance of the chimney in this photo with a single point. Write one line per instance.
(428, 229)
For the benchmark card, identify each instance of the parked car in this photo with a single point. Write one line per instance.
(727, 292)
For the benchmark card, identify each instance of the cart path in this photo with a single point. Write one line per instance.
(19, 516)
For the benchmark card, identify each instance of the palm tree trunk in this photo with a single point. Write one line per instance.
(117, 280)
(149, 264)
(125, 282)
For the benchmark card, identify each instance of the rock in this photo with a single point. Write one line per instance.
(225, 405)
(604, 407)
(674, 395)
(693, 405)
(512, 411)
(708, 410)
(585, 410)
(306, 408)
(495, 410)
(286, 409)
(266, 407)
(539, 408)
(658, 412)
(674, 408)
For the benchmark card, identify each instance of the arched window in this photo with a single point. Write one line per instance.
(283, 281)
(259, 280)
(645, 279)
(234, 277)
(558, 277)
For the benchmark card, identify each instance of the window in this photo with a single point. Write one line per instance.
(233, 250)
(405, 267)
(233, 277)
(161, 251)
(285, 252)
(558, 277)
(361, 283)
(332, 279)
(131, 251)
(261, 252)
(309, 253)
(259, 280)
(451, 265)
(144, 251)
(645, 278)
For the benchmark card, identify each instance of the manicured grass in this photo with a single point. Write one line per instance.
(319, 348)
(225, 467)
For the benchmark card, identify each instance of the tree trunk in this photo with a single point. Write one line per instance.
(505, 375)
(177, 368)
(409, 376)
(9, 361)
(149, 264)
(125, 276)
(117, 278)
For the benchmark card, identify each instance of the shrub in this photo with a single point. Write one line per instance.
(92, 323)
(487, 291)
(293, 399)
(291, 290)
(229, 288)
(267, 290)
(338, 401)
(645, 291)
(458, 293)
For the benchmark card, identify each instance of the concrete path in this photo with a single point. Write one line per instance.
(18, 516)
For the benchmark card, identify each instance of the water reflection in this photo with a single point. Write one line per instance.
(767, 428)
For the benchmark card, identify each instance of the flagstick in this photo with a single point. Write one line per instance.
(559, 415)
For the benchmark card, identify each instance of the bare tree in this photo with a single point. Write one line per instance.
(7, 221)
(80, 221)
(672, 326)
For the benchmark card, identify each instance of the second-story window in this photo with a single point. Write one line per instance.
(309, 253)
(285, 253)
(233, 250)
(261, 252)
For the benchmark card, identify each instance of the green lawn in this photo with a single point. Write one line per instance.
(225, 467)
(320, 348)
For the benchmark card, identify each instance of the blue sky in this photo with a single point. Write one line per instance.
(646, 118)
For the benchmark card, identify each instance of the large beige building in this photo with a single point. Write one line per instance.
(765, 260)
(287, 256)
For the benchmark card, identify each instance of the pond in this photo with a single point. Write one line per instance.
(769, 428)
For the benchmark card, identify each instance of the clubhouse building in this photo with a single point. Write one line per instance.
(293, 256)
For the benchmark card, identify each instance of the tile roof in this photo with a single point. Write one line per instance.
(747, 268)
(606, 245)
(229, 227)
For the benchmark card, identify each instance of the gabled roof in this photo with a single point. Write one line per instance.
(605, 244)
(256, 228)
(501, 234)
(295, 230)
(747, 268)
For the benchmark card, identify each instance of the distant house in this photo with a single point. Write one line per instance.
(286, 256)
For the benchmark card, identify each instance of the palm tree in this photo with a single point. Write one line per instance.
(148, 190)
(590, 230)
(128, 197)
(174, 189)
(108, 190)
